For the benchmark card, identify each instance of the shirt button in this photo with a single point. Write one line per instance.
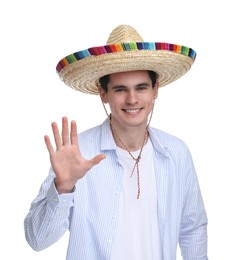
(108, 241)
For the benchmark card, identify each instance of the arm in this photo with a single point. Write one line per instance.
(48, 218)
(193, 231)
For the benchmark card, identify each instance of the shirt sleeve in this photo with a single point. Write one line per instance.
(48, 217)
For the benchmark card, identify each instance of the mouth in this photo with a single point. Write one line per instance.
(132, 111)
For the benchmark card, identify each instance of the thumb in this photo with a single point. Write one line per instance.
(97, 159)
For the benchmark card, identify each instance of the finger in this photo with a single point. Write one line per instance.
(97, 159)
(73, 134)
(65, 131)
(57, 137)
(49, 145)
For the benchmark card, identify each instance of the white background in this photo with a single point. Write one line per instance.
(198, 108)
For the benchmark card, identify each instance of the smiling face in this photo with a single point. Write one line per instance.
(130, 96)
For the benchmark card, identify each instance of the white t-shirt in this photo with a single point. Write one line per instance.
(137, 233)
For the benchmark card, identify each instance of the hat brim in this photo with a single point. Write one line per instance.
(83, 74)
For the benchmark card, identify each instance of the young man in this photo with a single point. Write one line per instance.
(123, 189)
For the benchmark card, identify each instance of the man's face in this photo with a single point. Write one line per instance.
(130, 97)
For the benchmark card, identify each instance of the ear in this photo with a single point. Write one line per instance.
(102, 94)
(156, 86)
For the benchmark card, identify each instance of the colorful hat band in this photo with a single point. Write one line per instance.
(112, 48)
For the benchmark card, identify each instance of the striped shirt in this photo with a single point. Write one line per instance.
(89, 212)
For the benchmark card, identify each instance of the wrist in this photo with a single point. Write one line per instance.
(64, 187)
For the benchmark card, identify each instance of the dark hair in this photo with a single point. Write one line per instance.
(105, 79)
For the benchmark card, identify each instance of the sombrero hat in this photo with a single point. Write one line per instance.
(125, 51)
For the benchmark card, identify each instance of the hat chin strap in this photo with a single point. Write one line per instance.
(108, 115)
(136, 165)
(151, 113)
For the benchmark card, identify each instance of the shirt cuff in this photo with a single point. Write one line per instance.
(59, 200)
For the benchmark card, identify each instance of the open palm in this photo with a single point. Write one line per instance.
(67, 161)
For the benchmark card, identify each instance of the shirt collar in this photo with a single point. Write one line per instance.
(108, 143)
(156, 142)
(107, 140)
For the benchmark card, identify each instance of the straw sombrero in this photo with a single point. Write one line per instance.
(125, 51)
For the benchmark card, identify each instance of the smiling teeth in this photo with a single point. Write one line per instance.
(132, 110)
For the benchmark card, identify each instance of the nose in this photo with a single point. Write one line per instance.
(131, 97)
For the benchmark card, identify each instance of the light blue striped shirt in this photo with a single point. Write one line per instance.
(88, 213)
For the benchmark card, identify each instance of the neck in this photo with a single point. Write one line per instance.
(127, 138)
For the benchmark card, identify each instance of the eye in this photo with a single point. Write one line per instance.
(141, 88)
(120, 89)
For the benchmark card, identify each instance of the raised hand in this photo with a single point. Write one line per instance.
(67, 162)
